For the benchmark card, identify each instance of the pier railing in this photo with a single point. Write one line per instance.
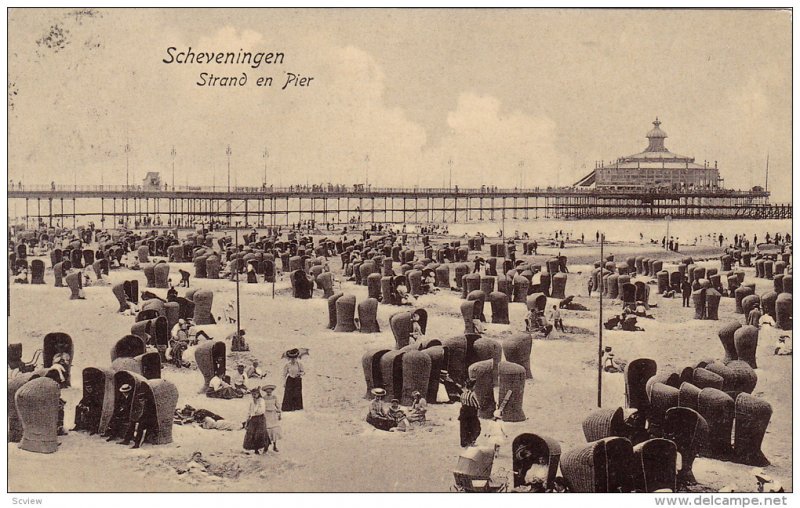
(28, 190)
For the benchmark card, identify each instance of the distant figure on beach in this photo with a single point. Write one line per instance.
(477, 264)
(555, 317)
(686, 291)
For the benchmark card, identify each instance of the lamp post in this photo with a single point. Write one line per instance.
(266, 156)
(173, 153)
(228, 152)
(366, 174)
(668, 218)
(127, 165)
(600, 328)
(238, 312)
(450, 181)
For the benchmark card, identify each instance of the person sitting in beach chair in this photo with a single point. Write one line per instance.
(404, 297)
(428, 285)
(416, 329)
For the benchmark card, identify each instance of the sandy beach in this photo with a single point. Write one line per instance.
(329, 447)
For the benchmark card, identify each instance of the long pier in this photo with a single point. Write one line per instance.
(182, 206)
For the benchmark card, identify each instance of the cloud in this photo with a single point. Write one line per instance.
(488, 144)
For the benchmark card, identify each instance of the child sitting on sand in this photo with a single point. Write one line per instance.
(399, 416)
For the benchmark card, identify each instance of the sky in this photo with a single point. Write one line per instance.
(400, 97)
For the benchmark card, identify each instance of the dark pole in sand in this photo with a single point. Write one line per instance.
(238, 313)
(600, 328)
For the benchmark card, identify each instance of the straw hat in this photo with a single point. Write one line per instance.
(378, 392)
(268, 387)
(125, 388)
(293, 353)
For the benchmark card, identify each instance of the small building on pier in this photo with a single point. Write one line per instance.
(152, 181)
(654, 168)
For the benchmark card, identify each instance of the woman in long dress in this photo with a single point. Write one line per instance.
(293, 379)
(256, 437)
(273, 416)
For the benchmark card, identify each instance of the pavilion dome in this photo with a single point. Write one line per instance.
(656, 137)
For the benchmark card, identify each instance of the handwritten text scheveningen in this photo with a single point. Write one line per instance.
(252, 59)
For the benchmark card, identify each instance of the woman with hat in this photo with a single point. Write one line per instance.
(377, 412)
(256, 437)
(273, 415)
(293, 382)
